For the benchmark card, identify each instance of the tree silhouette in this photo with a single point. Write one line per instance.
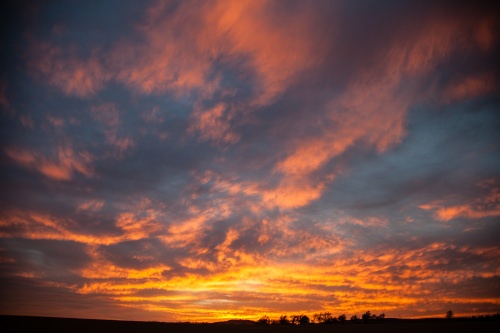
(449, 314)
(366, 316)
(284, 320)
(264, 320)
(342, 318)
(303, 320)
(324, 318)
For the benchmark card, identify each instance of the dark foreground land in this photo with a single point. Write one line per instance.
(45, 324)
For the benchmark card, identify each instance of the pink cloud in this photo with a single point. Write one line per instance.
(62, 166)
(123, 144)
(181, 47)
(169, 59)
(214, 124)
(108, 115)
(91, 205)
(469, 87)
(64, 70)
(481, 207)
(371, 110)
(277, 52)
(179, 53)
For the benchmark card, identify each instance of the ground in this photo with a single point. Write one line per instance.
(43, 324)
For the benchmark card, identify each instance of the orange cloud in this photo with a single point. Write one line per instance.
(310, 156)
(138, 227)
(187, 231)
(371, 110)
(168, 60)
(100, 268)
(180, 51)
(292, 193)
(181, 48)
(91, 205)
(265, 286)
(257, 283)
(482, 207)
(214, 124)
(61, 167)
(277, 51)
(367, 222)
(34, 225)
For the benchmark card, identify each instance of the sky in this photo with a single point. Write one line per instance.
(212, 160)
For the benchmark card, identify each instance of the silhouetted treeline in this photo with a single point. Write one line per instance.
(366, 318)
(322, 318)
(285, 320)
(22, 324)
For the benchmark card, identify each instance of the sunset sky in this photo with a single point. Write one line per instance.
(208, 160)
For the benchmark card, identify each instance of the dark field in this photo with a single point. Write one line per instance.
(43, 324)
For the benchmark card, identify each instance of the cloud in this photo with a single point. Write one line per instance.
(470, 87)
(92, 205)
(485, 206)
(139, 227)
(214, 125)
(217, 31)
(411, 272)
(108, 116)
(37, 226)
(61, 167)
(73, 76)
(371, 110)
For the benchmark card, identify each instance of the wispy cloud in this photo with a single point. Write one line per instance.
(60, 166)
